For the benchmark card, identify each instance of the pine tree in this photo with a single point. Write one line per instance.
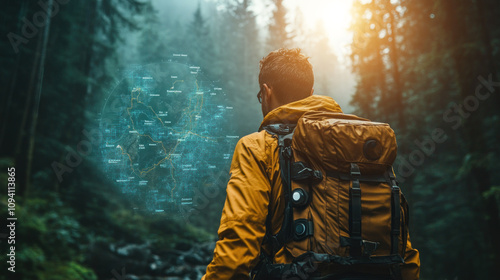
(154, 45)
(323, 59)
(376, 57)
(239, 48)
(278, 36)
(199, 42)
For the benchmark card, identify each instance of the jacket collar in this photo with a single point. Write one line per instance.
(290, 113)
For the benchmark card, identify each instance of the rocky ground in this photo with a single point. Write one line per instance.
(142, 262)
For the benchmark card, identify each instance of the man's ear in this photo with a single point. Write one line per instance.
(312, 91)
(267, 91)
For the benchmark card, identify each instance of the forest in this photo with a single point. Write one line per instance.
(429, 68)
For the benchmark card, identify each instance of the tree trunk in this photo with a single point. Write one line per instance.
(486, 38)
(37, 97)
(467, 67)
(398, 90)
(8, 103)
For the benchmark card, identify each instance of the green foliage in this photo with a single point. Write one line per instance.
(66, 270)
(48, 239)
(178, 232)
(494, 191)
(54, 239)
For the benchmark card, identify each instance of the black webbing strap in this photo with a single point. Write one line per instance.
(396, 196)
(369, 247)
(355, 212)
(406, 224)
(285, 233)
(266, 270)
(305, 266)
(284, 134)
(395, 215)
(362, 178)
(326, 258)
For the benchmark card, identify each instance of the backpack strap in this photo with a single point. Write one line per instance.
(306, 265)
(397, 228)
(355, 212)
(406, 223)
(362, 178)
(265, 269)
(284, 133)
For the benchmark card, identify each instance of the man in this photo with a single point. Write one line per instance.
(255, 187)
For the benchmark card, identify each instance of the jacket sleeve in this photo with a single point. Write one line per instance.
(242, 225)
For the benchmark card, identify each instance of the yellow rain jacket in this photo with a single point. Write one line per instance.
(254, 184)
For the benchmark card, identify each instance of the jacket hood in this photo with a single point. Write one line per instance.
(290, 113)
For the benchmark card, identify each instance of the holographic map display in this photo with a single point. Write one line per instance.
(166, 133)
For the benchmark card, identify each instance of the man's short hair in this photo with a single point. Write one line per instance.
(289, 73)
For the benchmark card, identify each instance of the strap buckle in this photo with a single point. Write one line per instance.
(302, 172)
(355, 170)
(369, 247)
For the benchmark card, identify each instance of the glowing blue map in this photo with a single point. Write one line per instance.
(167, 133)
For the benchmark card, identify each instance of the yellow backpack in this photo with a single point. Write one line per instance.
(344, 209)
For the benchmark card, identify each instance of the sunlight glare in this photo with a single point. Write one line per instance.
(335, 16)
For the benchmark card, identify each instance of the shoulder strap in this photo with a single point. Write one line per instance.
(284, 134)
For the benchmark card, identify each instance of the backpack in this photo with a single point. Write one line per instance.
(343, 206)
